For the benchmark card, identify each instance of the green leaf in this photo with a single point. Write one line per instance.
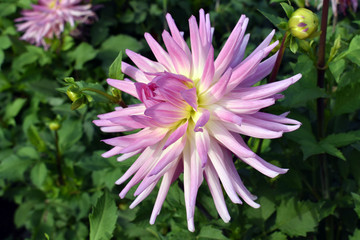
(13, 109)
(337, 68)
(82, 54)
(2, 57)
(287, 8)
(293, 45)
(278, 236)
(356, 198)
(115, 68)
(347, 99)
(342, 139)
(7, 9)
(209, 232)
(70, 133)
(273, 19)
(103, 218)
(13, 168)
(35, 139)
(330, 149)
(356, 235)
(114, 44)
(38, 174)
(296, 218)
(4, 42)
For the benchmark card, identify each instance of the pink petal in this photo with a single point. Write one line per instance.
(208, 72)
(125, 86)
(204, 118)
(178, 56)
(160, 54)
(218, 131)
(178, 133)
(190, 97)
(134, 73)
(178, 38)
(216, 192)
(202, 141)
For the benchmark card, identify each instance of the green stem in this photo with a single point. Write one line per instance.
(278, 60)
(58, 159)
(108, 96)
(320, 101)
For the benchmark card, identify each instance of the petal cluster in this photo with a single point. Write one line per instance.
(194, 108)
(48, 18)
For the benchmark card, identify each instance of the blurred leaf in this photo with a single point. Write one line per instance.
(111, 47)
(356, 235)
(296, 218)
(293, 45)
(347, 99)
(278, 236)
(209, 232)
(14, 108)
(70, 133)
(337, 68)
(356, 198)
(38, 174)
(276, 20)
(103, 218)
(35, 139)
(7, 9)
(287, 8)
(83, 53)
(4, 42)
(115, 68)
(13, 168)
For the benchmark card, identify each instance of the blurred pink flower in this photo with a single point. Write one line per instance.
(192, 112)
(343, 5)
(47, 19)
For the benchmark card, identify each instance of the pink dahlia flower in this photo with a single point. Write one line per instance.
(48, 19)
(192, 112)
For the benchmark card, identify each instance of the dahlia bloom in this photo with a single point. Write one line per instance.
(47, 19)
(193, 109)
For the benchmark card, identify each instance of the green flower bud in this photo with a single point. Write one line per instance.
(73, 93)
(54, 125)
(303, 23)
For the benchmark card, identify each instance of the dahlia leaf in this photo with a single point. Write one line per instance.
(296, 218)
(208, 232)
(115, 68)
(337, 68)
(356, 235)
(347, 98)
(330, 149)
(103, 218)
(82, 54)
(287, 8)
(356, 198)
(70, 134)
(278, 236)
(273, 19)
(38, 174)
(342, 139)
(7, 9)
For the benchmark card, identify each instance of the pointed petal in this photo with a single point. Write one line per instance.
(125, 86)
(178, 133)
(190, 97)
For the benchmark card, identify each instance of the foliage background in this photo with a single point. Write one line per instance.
(314, 200)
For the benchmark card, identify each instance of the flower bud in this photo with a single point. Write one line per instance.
(73, 94)
(54, 125)
(303, 23)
